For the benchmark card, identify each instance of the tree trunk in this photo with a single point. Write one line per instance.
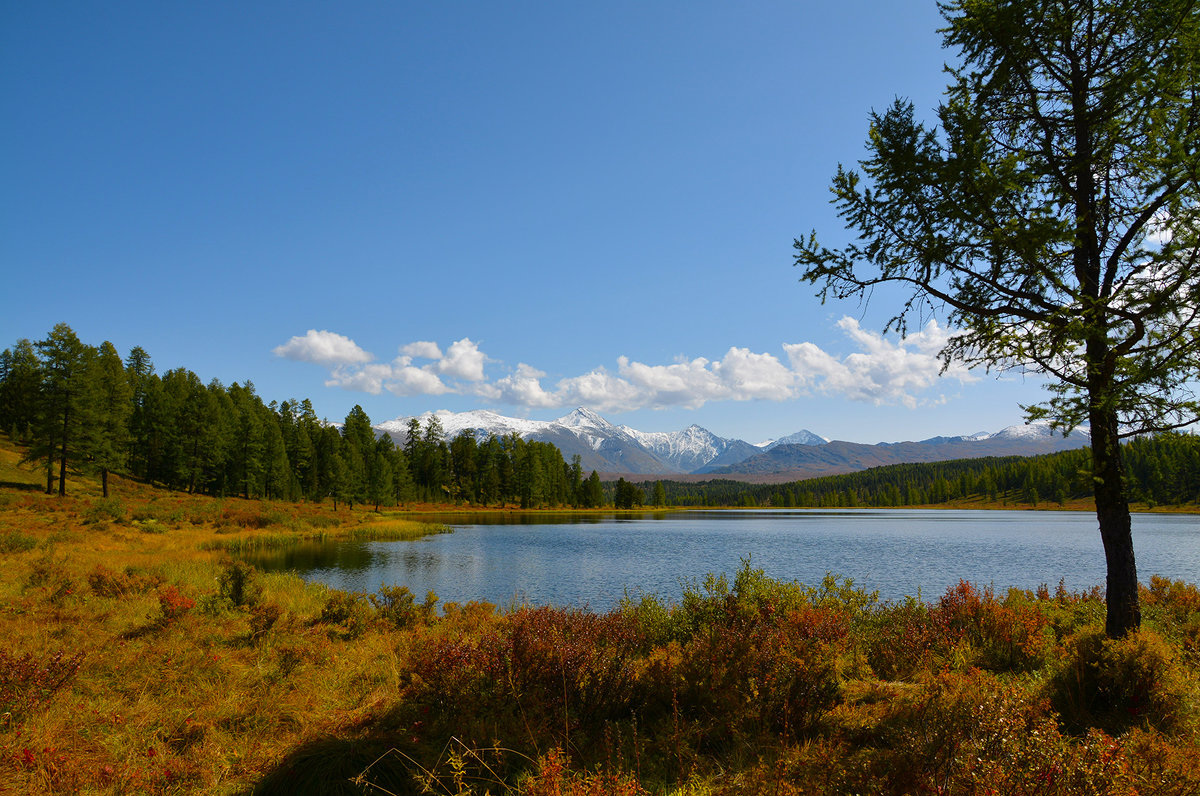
(62, 462)
(104, 481)
(1112, 510)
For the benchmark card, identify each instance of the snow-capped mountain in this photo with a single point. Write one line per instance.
(482, 422)
(610, 448)
(692, 450)
(801, 437)
(599, 444)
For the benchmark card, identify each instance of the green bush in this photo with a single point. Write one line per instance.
(1117, 684)
(238, 583)
(105, 510)
(150, 526)
(348, 613)
(16, 542)
(397, 606)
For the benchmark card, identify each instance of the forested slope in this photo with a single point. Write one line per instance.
(1162, 470)
(81, 409)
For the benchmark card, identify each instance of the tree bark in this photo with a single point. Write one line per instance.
(1116, 531)
(62, 462)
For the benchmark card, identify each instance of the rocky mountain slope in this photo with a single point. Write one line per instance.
(610, 448)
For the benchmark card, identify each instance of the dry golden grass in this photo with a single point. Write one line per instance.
(299, 688)
(193, 704)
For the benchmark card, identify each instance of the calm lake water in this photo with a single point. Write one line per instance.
(592, 561)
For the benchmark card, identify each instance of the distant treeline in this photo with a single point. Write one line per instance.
(81, 409)
(1162, 470)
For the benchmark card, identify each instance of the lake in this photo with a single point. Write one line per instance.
(592, 561)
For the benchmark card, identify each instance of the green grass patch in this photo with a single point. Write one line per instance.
(397, 530)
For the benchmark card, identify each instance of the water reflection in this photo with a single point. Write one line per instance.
(538, 518)
(594, 559)
(308, 556)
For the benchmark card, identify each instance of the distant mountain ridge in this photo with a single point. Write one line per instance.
(834, 458)
(610, 448)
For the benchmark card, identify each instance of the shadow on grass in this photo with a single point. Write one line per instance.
(22, 485)
(334, 766)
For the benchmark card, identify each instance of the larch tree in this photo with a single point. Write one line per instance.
(20, 389)
(113, 405)
(67, 410)
(1053, 214)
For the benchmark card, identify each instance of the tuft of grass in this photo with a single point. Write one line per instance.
(16, 542)
(394, 530)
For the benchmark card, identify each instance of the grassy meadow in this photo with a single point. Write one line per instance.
(138, 655)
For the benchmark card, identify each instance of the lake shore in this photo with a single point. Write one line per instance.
(141, 658)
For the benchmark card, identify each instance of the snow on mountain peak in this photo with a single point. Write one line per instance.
(583, 418)
(1034, 430)
(483, 422)
(801, 437)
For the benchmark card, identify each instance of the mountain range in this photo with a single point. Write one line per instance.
(620, 450)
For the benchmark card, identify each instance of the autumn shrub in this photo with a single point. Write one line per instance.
(397, 606)
(249, 517)
(1177, 599)
(749, 670)
(173, 604)
(1160, 764)
(263, 617)
(552, 776)
(347, 614)
(984, 631)
(157, 514)
(1117, 684)
(1174, 609)
(534, 675)
(899, 639)
(657, 621)
(1068, 612)
(28, 681)
(452, 676)
(575, 667)
(955, 726)
(150, 525)
(319, 521)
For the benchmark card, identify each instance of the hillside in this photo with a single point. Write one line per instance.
(1162, 471)
(831, 458)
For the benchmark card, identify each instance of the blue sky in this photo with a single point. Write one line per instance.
(518, 206)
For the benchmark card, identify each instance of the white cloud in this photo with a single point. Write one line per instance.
(464, 360)
(601, 391)
(879, 371)
(523, 388)
(367, 378)
(323, 348)
(415, 381)
(882, 372)
(422, 349)
(748, 376)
